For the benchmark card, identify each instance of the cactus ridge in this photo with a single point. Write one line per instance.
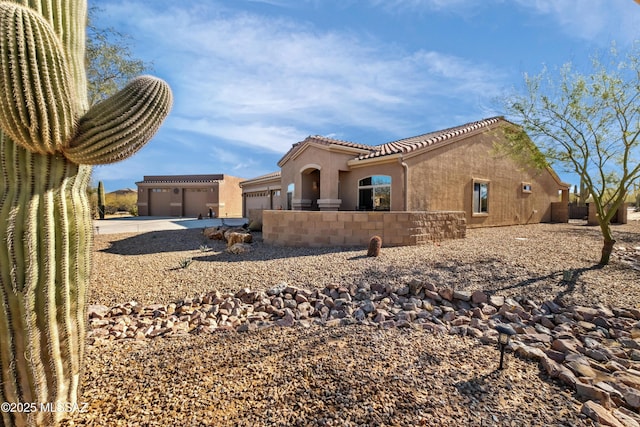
(42, 292)
(36, 107)
(48, 142)
(119, 126)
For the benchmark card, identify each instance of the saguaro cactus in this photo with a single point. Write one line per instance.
(49, 140)
(101, 199)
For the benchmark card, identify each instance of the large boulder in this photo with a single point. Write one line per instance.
(214, 233)
(239, 248)
(235, 237)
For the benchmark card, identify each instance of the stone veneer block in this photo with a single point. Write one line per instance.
(368, 225)
(339, 225)
(353, 225)
(337, 228)
(346, 217)
(336, 240)
(321, 239)
(360, 217)
(396, 240)
(329, 216)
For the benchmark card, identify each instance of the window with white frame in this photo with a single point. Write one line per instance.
(374, 193)
(480, 197)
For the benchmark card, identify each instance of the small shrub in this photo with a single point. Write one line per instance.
(185, 262)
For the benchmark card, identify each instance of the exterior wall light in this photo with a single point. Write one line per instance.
(504, 336)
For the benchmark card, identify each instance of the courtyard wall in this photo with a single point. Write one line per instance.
(348, 228)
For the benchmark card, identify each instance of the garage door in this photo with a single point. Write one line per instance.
(159, 202)
(195, 202)
(258, 200)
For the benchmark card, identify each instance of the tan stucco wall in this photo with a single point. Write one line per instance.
(261, 194)
(349, 186)
(442, 179)
(230, 204)
(223, 197)
(329, 163)
(620, 217)
(320, 229)
(172, 202)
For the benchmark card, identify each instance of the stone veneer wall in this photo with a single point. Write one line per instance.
(348, 228)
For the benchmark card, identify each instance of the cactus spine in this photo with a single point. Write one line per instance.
(48, 142)
(101, 199)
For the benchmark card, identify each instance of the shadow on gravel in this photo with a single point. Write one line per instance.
(622, 233)
(265, 253)
(157, 242)
(211, 250)
(568, 284)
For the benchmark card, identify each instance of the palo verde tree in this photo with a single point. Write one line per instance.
(49, 141)
(110, 63)
(587, 124)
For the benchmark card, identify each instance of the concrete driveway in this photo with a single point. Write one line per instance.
(143, 224)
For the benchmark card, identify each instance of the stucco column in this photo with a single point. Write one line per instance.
(297, 202)
(329, 201)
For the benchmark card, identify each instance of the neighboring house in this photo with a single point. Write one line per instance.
(261, 193)
(190, 196)
(455, 169)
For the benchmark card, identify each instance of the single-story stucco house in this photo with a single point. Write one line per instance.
(455, 169)
(190, 196)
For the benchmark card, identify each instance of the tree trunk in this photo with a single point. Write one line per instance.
(607, 248)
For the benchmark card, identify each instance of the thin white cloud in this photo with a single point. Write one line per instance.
(591, 19)
(268, 137)
(583, 19)
(421, 5)
(269, 82)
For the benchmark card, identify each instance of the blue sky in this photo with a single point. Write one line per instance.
(252, 77)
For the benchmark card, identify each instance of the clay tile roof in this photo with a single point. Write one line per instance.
(330, 141)
(326, 141)
(408, 145)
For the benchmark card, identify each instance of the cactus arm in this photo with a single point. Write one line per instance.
(47, 147)
(36, 107)
(119, 126)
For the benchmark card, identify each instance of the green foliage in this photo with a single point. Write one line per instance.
(125, 202)
(110, 63)
(515, 143)
(114, 203)
(185, 262)
(589, 124)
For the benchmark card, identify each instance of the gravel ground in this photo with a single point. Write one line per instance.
(340, 376)
(519, 260)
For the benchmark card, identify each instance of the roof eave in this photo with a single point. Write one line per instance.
(358, 163)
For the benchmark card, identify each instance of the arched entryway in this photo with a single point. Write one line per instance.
(310, 188)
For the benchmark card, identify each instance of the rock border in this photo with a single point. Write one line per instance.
(593, 350)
